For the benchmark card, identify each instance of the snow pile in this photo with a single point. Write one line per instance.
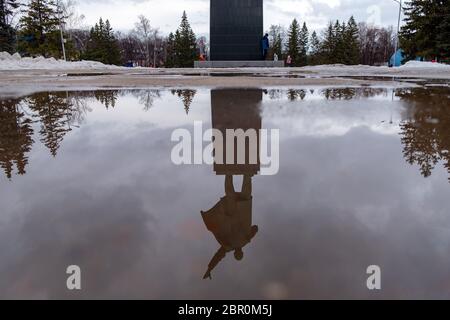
(16, 62)
(424, 65)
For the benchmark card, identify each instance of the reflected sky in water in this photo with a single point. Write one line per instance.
(87, 179)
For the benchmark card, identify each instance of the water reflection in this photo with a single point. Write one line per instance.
(113, 202)
(352, 93)
(15, 136)
(186, 96)
(426, 131)
(327, 93)
(230, 220)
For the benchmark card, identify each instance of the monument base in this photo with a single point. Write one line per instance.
(239, 64)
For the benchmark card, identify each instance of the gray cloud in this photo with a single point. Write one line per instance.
(166, 14)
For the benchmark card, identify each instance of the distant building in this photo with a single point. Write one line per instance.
(398, 59)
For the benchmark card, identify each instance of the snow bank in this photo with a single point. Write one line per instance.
(16, 62)
(424, 65)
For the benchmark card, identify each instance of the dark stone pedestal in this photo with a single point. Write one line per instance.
(236, 30)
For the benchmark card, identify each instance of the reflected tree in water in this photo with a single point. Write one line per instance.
(294, 95)
(339, 94)
(54, 112)
(146, 97)
(15, 137)
(78, 103)
(352, 93)
(107, 97)
(426, 132)
(275, 94)
(186, 96)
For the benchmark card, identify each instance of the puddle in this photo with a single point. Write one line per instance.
(435, 82)
(89, 74)
(87, 178)
(244, 74)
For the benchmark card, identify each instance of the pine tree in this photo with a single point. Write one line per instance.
(293, 45)
(352, 44)
(425, 29)
(304, 44)
(170, 59)
(426, 143)
(40, 29)
(315, 49)
(16, 134)
(7, 32)
(54, 113)
(340, 45)
(102, 45)
(108, 98)
(186, 96)
(329, 45)
(276, 38)
(185, 45)
(443, 36)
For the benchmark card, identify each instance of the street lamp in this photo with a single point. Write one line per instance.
(59, 9)
(397, 43)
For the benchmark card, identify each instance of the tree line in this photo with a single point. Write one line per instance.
(35, 27)
(341, 42)
(43, 24)
(426, 33)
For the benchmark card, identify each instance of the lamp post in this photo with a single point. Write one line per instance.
(61, 29)
(397, 42)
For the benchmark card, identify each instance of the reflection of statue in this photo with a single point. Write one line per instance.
(230, 220)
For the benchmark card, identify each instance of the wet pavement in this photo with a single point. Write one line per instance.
(87, 179)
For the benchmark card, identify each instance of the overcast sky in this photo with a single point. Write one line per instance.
(166, 14)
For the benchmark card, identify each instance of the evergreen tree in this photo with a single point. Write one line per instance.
(276, 38)
(340, 45)
(352, 44)
(7, 32)
(329, 44)
(304, 45)
(16, 134)
(102, 45)
(426, 143)
(424, 33)
(443, 30)
(40, 29)
(108, 98)
(170, 59)
(54, 112)
(185, 45)
(293, 45)
(186, 96)
(315, 49)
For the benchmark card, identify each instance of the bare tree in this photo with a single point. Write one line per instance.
(72, 18)
(377, 44)
(144, 31)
